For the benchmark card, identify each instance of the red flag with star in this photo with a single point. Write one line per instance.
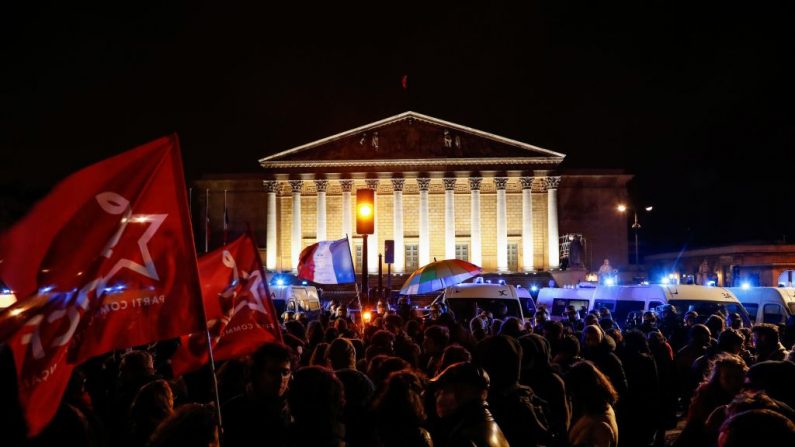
(105, 261)
(240, 313)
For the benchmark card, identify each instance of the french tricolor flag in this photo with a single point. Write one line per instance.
(327, 262)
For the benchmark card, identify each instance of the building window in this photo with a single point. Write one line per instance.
(462, 252)
(513, 257)
(358, 265)
(412, 257)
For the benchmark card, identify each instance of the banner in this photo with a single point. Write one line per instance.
(240, 314)
(327, 262)
(105, 261)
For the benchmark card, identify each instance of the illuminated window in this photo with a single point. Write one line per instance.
(412, 257)
(358, 265)
(462, 252)
(513, 257)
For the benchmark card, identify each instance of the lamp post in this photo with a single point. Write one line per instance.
(635, 227)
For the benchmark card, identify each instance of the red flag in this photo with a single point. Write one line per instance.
(240, 314)
(105, 261)
(404, 82)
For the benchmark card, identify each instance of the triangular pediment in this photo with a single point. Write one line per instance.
(412, 136)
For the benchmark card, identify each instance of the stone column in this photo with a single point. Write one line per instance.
(347, 225)
(502, 224)
(553, 237)
(424, 249)
(397, 225)
(271, 238)
(476, 252)
(297, 235)
(449, 218)
(373, 246)
(527, 223)
(321, 186)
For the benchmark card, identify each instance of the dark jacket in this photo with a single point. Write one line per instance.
(609, 364)
(522, 416)
(471, 426)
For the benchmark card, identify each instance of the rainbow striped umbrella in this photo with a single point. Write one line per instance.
(438, 275)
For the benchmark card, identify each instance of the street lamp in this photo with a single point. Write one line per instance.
(635, 225)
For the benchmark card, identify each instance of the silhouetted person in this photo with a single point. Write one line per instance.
(537, 373)
(757, 427)
(400, 412)
(262, 408)
(316, 401)
(460, 392)
(191, 425)
(592, 399)
(518, 411)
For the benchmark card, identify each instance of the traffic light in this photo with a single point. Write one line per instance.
(365, 211)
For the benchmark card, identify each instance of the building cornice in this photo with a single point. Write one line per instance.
(402, 163)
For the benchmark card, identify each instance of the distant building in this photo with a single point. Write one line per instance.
(442, 191)
(726, 266)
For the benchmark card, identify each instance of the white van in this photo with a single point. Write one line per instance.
(302, 299)
(499, 299)
(622, 300)
(557, 299)
(767, 304)
(705, 301)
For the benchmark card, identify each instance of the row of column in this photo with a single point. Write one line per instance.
(476, 253)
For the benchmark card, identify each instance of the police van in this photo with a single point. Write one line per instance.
(466, 300)
(767, 304)
(555, 300)
(623, 300)
(289, 298)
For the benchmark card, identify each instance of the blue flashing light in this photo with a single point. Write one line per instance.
(666, 280)
(279, 282)
(46, 289)
(610, 282)
(6, 291)
(711, 284)
(303, 283)
(488, 281)
(534, 288)
(745, 286)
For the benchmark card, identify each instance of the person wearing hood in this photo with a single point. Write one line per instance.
(460, 393)
(538, 374)
(767, 343)
(599, 349)
(521, 414)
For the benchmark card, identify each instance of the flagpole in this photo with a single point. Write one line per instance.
(207, 220)
(355, 283)
(226, 228)
(215, 379)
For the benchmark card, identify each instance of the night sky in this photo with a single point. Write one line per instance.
(696, 100)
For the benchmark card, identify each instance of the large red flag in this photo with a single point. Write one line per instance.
(105, 261)
(240, 313)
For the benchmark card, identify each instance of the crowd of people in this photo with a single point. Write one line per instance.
(403, 379)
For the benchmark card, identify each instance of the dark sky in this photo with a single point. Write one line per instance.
(694, 99)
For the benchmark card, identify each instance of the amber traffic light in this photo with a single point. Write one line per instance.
(365, 211)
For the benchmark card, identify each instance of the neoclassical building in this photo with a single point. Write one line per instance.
(443, 191)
